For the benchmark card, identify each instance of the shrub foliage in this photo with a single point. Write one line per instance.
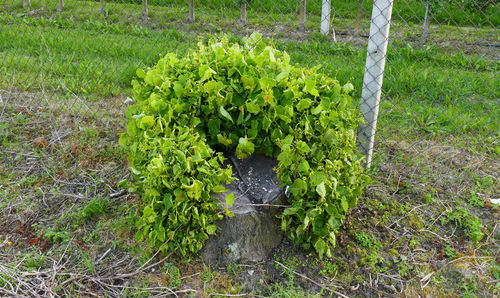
(247, 99)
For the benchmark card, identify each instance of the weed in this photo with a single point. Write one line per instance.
(429, 198)
(330, 269)
(469, 287)
(475, 200)
(374, 261)
(291, 262)
(404, 208)
(90, 134)
(289, 290)
(495, 270)
(466, 221)
(207, 274)
(234, 269)
(28, 181)
(93, 208)
(365, 240)
(92, 237)
(482, 183)
(215, 282)
(88, 263)
(173, 275)
(404, 269)
(34, 261)
(496, 288)
(56, 236)
(5, 198)
(413, 243)
(450, 253)
(5, 280)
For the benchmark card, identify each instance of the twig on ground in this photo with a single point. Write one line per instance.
(407, 214)
(191, 275)
(103, 255)
(227, 295)
(118, 193)
(69, 195)
(435, 234)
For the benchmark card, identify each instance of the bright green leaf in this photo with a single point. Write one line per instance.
(298, 188)
(225, 114)
(320, 247)
(148, 120)
(211, 229)
(304, 104)
(244, 149)
(140, 73)
(230, 199)
(321, 190)
(253, 107)
(310, 87)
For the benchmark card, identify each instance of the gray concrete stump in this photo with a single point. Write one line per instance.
(253, 232)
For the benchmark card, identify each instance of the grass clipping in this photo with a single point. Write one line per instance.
(242, 99)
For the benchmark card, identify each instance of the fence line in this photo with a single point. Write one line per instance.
(439, 78)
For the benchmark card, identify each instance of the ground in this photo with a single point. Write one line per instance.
(424, 227)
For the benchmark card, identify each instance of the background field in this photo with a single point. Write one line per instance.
(426, 226)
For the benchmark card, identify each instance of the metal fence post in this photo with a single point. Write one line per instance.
(374, 72)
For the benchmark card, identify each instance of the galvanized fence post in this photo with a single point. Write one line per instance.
(374, 72)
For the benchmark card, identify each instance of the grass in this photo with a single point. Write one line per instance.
(59, 205)
(412, 11)
(99, 57)
(104, 66)
(425, 227)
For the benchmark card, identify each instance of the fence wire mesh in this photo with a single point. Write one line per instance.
(67, 66)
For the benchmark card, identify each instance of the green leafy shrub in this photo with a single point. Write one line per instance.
(244, 99)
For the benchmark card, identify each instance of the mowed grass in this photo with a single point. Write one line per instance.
(427, 89)
(85, 59)
(452, 21)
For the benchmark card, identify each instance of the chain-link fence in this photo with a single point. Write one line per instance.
(67, 66)
(440, 79)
